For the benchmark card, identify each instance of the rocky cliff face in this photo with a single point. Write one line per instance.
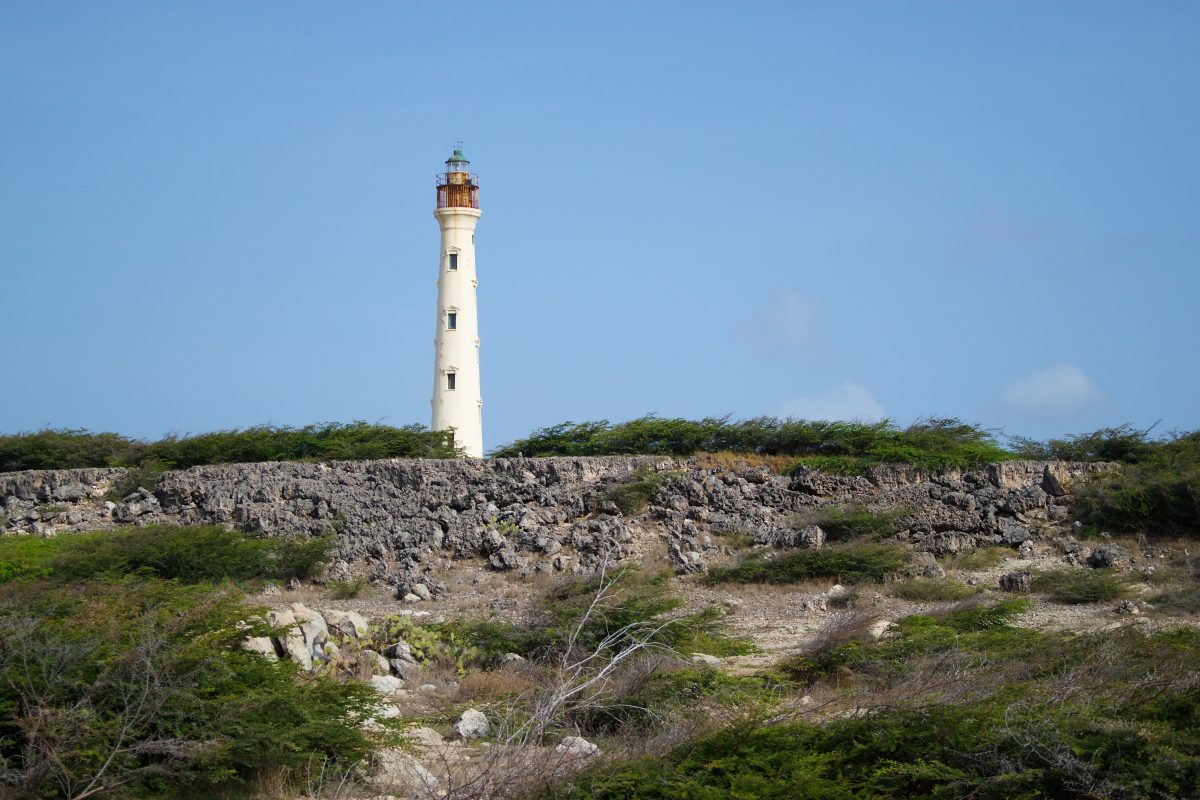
(395, 518)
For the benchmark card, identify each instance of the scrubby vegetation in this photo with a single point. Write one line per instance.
(1078, 586)
(121, 672)
(1158, 495)
(932, 590)
(189, 554)
(635, 604)
(72, 448)
(955, 705)
(848, 563)
(930, 443)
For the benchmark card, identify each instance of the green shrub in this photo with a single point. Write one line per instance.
(347, 589)
(1159, 495)
(844, 523)
(196, 554)
(849, 563)
(673, 692)
(141, 685)
(929, 590)
(633, 495)
(1078, 586)
(842, 446)
(63, 449)
(601, 615)
(26, 556)
(980, 558)
(67, 449)
(970, 707)
(146, 476)
(1124, 443)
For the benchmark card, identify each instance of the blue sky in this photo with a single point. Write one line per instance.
(220, 214)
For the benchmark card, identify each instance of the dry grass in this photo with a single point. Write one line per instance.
(729, 460)
(979, 559)
(494, 685)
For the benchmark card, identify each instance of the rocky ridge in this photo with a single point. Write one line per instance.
(396, 520)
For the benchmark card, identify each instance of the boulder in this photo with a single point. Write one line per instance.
(473, 724)
(386, 684)
(577, 746)
(1016, 582)
(346, 624)
(261, 645)
(1108, 555)
(810, 536)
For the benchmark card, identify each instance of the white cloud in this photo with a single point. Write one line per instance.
(850, 401)
(1062, 387)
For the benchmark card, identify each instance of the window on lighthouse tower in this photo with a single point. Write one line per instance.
(452, 321)
(450, 376)
(453, 261)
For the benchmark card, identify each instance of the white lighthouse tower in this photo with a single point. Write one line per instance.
(457, 401)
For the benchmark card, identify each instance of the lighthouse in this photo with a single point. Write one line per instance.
(457, 400)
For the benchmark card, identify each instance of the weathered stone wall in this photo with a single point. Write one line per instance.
(393, 518)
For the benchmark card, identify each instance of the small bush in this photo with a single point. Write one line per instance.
(633, 495)
(929, 590)
(977, 615)
(849, 563)
(1079, 586)
(845, 523)
(979, 559)
(347, 589)
(145, 477)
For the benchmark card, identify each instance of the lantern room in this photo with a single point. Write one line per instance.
(457, 188)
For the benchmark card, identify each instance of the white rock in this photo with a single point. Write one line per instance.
(347, 624)
(706, 660)
(422, 591)
(473, 724)
(261, 645)
(281, 619)
(837, 590)
(291, 642)
(411, 598)
(397, 770)
(388, 712)
(512, 658)
(427, 688)
(577, 746)
(879, 628)
(386, 684)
